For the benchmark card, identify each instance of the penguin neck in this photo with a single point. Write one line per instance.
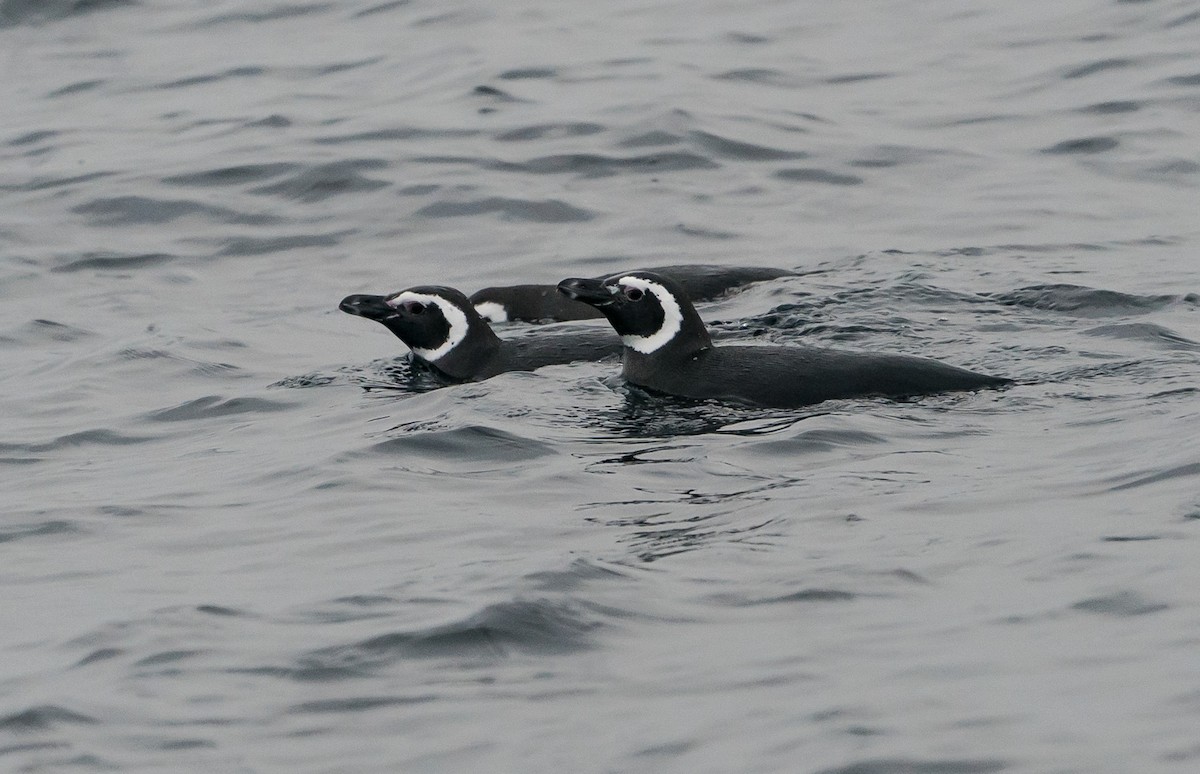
(691, 338)
(471, 356)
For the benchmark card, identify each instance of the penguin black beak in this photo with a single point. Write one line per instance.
(371, 307)
(589, 291)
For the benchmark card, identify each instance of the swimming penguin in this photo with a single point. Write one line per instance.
(444, 331)
(668, 349)
(533, 303)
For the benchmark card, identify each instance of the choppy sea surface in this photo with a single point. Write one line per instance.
(232, 538)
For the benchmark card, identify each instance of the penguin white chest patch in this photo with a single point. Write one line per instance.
(455, 318)
(672, 316)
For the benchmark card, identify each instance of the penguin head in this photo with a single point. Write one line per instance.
(437, 323)
(650, 312)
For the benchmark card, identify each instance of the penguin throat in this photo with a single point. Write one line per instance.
(455, 318)
(672, 317)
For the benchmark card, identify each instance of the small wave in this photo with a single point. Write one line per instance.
(598, 165)
(114, 262)
(546, 211)
(811, 175)
(909, 766)
(321, 182)
(200, 80)
(274, 14)
(1087, 302)
(212, 406)
(238, 175)
(1145, 332)
(247, 246)
(128, 210)
(43, 717)
(473, 443)
(1083, 145)
(742, 151)
(14, 12)
(1123, 604)
(549, 132)
(22, 531)
(534, 626)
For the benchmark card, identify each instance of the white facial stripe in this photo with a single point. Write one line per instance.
(490, 310)
(672, 316)
(454, 316)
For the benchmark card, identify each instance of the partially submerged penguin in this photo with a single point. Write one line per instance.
(533, 303)
(443, 330)
(668, 350)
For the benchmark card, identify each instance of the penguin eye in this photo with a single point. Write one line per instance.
(633, 294)
(414, 307)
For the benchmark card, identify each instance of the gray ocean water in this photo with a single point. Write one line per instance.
(233, 539)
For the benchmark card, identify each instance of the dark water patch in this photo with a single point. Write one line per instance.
(1142, 479)
(224, 75)
(274, 121)
(764, 76)
(42, 718)
(907, 766)
(1184, 80)
(396, 134)
(326, 180)
(381, 8)
(238, 175)
(246, 246)
(704, 233)
(1129, 538)
(540, 627)
(1083, 145)
(418, 190)
(166, 657)
(15, 12)
(1112, 107)
(1187, 18)
(741, 151)
(652, 139)
(581, 572)
(819, 441)
(1123, 604)
(597, 165)
(550, 131)
(218, 610)
(472, 443)
(44, 183)
(43, 331)
(213, 406)
(839, 80)
(812, 175)
(1148, 333)
(340, 67)
(75, 88)
(360, 703)
(500, 95)
(99, 655)
(98, 437)
(1098, 66)
(129, 210)
(528, 73)
(1084, 301)
(545, 211)
(274, 14)
(11, 533)
(114, 262)
(32, 137)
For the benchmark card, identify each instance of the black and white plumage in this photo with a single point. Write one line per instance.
(533, 303)
(668, 349)
(443, 330)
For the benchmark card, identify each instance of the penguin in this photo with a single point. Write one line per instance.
(535, 303)
(669, 350)
(444, 332)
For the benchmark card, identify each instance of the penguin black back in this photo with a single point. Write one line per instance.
(668, 349)
(534, 303)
